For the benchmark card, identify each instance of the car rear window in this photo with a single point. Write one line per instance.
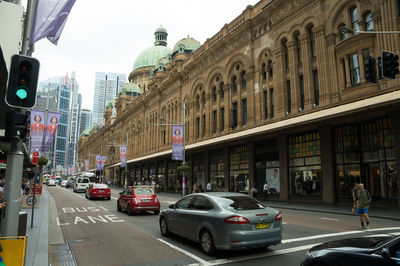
(83, 180)
(143, 191)
(100, 186)
(240, 203)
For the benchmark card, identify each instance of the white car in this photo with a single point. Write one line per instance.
(64, 183)
(81, 184)
(51, 182)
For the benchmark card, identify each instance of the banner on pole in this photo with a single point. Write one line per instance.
(51, 129)
(122, 155)
(177, 142)
(98, 162)
(86, 165)
(37, 130)
(103, 161)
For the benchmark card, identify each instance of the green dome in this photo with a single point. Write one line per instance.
(85, 133)
(111, 103)
(189, 45)
(150, 56)
(131, 88)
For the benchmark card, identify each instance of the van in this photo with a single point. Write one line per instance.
(81, 183)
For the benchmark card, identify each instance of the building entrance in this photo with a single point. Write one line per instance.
(370, 178)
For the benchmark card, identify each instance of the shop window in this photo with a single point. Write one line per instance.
(216, 170)
(368, 22)
(239, 169)
(355, 78)
(354, 19)
(244, 111)
(305, 164)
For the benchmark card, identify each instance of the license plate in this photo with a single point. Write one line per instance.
(262, 225)
(101, 190)
(146, 200)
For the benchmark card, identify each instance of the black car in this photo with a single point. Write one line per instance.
(356, 251)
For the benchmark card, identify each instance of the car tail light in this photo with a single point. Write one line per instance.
(108, 190)
(236, 220)
(278, 217)
(155, 199)
(96, 190)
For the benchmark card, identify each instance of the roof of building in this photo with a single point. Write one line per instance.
(130, 88)
(188, 44)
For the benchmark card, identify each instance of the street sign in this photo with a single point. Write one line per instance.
(35, 157)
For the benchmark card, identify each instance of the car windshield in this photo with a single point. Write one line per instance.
(83, 180)
(100, 186)
(143, 191)
(240, 203)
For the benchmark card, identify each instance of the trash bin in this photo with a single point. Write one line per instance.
(23, 220)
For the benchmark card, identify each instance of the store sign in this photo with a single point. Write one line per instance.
(3, 164)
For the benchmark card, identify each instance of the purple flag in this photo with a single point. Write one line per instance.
(98, 162)
(50, 19)
(37, 130)
(122, 155)
(51, 129)
(177, 142)
(103, 161)
(79, 169)
(86, 165)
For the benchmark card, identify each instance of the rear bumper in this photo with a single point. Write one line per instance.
(146, 208)
(101, 195)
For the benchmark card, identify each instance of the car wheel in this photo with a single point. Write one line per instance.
(118, 207)
(156, 212)
(128, 210)
(164, 227)
(207, 242)
(108, 198)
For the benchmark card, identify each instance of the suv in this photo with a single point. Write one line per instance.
(81, 183)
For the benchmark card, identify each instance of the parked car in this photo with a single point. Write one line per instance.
(138, 199)
(51, 182)
(96, 190)
(80, 184)
(369, 251)
(64, 183)
(223, 220)
(70, 183)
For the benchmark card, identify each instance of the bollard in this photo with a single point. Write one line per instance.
(23, 221)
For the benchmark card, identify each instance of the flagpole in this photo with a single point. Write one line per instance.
(30, 16)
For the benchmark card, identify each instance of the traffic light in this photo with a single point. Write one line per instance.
(16, 126)
(370, 70)
(390, 64)
(22, 84)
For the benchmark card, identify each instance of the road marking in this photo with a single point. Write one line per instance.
(285, 241)
(329, 219)
(114, 198)
(257, 256)
(284, 222)
(202, 262)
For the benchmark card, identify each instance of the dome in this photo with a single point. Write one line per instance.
(130, 89)
(111, 103)
(189, 45)
(150, 56)
(85, 133)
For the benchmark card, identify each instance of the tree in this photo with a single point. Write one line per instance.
(42, 162)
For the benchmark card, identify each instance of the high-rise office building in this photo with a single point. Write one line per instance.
(107, 86)
(85, 121)
(73, 125)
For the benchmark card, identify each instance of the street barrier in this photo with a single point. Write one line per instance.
(13, 250)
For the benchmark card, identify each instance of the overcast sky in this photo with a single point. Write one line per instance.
(108, 35)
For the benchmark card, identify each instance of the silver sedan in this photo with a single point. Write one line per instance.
(223, 220)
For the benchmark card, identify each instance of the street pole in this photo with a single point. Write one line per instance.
(30, 15)
(183, 156)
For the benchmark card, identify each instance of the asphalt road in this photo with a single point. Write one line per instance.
(99, 235)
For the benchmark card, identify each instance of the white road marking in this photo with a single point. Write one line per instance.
(329, 219)
(284, 222)
(395, 234)
(285, 241)
(257, 256)
(202, 262)
(114, 198)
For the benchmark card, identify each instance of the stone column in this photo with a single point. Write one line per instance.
(307, 73)
(322, 61)
(327, 165)
(332, 67)
(361, 65)
(251, 157)
(283, 167)
(294, 81)
(347, 67)
(279, 74)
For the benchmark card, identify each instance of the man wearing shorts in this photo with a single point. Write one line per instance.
(363, 200)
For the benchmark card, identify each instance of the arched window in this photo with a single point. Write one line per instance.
(270, 69)
(264, 72)
(312, 41)
(243, 78)
(285, 54)
(214, 93)
(368, 22)
(298, 46)
(234, 84)
(203, 99)
(221, 90)
(198, 102)
(354, 18)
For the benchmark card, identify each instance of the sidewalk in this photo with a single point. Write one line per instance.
(376, 210)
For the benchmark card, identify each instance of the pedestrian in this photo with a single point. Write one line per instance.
(200, 188)
(354, 194)
(255, 190)
(363, 199)
(266, 190)
(194, 187)
(208, 188)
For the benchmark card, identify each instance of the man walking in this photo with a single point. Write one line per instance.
(363, 200)
(265, 190)
(208, 188)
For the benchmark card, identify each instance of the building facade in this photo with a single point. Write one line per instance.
(280, 94)
(85, 120)
(107, 87)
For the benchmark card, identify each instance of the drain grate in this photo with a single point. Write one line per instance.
(61, 255)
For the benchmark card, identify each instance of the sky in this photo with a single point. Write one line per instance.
(108, 35)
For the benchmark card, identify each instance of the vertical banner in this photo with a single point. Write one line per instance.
(86, 165)
(51, 129)
(98, 162)
(37, 130)
(273, 179)
(122, 155)
(103, 161)
(79, 169)
(177, 142)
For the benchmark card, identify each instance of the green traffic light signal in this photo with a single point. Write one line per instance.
(22, 92)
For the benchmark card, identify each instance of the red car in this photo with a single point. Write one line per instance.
(95, 191)
(138, 199)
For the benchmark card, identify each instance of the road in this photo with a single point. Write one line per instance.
(100, 235)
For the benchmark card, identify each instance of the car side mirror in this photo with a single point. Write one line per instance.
(172, 206)
(385, 253)
(121, 193)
